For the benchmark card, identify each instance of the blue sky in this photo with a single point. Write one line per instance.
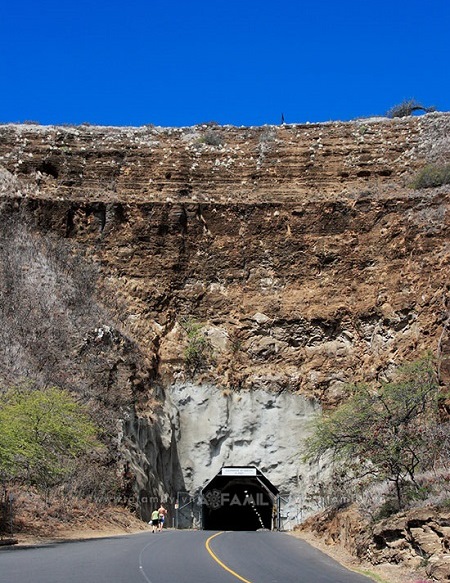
(239, 62)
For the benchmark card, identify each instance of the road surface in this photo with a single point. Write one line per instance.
(175, 556)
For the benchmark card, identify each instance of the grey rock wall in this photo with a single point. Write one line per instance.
(261, 428)
(149, 448)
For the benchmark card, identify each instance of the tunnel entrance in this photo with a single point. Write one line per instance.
(239, 498)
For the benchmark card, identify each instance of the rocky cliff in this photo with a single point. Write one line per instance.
(418, 540)
(166, 271)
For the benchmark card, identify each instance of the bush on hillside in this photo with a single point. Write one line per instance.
(198, 353)
(211, 138)
(408, 107)
(432, 176)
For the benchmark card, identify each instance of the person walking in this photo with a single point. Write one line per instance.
(155, 520)
(162, 512)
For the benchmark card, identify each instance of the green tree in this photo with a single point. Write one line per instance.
(42, 431)
(386, 430)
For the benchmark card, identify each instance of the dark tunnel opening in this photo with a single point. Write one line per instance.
(238, 502)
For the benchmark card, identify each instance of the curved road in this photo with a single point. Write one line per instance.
(175, 557)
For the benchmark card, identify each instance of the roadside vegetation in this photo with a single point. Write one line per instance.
(51, 452)
(387, 442)
(42, 432)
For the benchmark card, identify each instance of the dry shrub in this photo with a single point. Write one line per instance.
(408, 107)
(47, 517)
(432, 176)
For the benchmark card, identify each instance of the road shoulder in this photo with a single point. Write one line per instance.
(385, 573)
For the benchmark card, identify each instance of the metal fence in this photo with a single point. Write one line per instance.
(188, 511)
(290, 511)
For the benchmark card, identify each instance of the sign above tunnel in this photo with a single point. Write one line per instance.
(250, 471)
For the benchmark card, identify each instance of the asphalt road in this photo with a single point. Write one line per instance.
(175, 557)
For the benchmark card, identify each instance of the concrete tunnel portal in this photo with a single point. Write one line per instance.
(239, 498)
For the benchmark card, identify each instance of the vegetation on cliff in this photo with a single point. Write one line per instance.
(198, 353)
(408, 107)
(432, 175)
(389, 433)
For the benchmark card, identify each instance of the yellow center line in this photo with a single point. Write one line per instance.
(216, 558)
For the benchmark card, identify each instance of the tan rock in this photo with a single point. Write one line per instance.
(427, 540)
(439, 568)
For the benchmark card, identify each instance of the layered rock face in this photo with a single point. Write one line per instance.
(141, 264)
